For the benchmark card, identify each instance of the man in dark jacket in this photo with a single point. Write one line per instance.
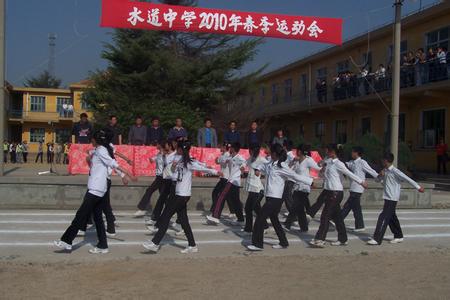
(232, 136)
(82, 131)
(155, 133)
(138, 133)
(254, 136)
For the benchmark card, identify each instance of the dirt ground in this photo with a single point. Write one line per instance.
(418, 275)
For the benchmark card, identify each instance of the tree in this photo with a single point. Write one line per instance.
(43, 80)
(169, 74)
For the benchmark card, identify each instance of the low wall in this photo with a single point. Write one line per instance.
(68, 192)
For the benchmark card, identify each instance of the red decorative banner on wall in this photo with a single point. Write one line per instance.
(151, 16)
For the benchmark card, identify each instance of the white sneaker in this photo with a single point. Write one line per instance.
(359, 229)
(62, 245)
(175, 227)
(212, 221)
(189, 249)
(295, 224)
(278, 247)
(88, 226)
(231, 216)
(372, 242)
(149, 245)
(110, 234)
(308, 219)
(150, 222)
(140, 213)
(81, 233)
(396, 241)
(317, 243)
(98, 251)
(152, 229)
(338, 243)
(180, 233)
(254, 248)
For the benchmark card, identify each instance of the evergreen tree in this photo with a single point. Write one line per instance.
(169, 74)
(43, 80)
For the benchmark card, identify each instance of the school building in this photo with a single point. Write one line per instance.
(341, 93)
(42, 114)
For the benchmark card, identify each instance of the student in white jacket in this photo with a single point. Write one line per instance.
(392, 179)
(303, 165)
(254, 187)
(94, 200)
(360, 168)
(333, 194)
(182, 171)
(277, 173)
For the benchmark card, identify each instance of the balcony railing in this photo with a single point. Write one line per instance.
(354, 87)
(41, 116)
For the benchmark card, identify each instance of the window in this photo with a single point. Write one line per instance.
(403, 51)
(319, 130)
(433, 126)
(343, 66)
(274, 93)
(60, 101)
(341, 131)
(401, 128)
(85, 105)
(63, 135)
(262, 95)
(288, 90)
(322, 73)
(37, 103)
(304, 86)
(438, 38)
(366, 125)
(37, 135)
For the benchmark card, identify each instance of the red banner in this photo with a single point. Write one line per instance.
(151, 16)
(140, 155)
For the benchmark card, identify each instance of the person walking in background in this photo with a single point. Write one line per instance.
(177, 132)
(137, 135)
(254, 136)
(232, 136)
(12, 152)
(5, 151)
(82, 131)
(113, 125)
(207, 136)
(19, 152)
(58, 153)
(40, 154)
(279, 138)
(391, 178)
(50, 153)
(155, 134)
(66, 153)
(25, 151)
(442, 156)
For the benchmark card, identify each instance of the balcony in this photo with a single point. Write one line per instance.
(29, 116)
(416, 79)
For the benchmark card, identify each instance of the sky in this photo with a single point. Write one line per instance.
(80, 39)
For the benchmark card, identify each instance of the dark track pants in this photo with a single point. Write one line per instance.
(253, 204)
(332, 211)
(145, 201)
(299, 207)
(388, 217)
(354, 204)
(231, 192)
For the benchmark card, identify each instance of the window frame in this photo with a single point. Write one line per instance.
(34, 141)
(42, 105)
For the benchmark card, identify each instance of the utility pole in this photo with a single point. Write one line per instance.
(395, 109)
(51, 53)
(2, 84)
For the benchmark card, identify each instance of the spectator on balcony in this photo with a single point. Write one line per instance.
(207, 136)
(380, 77)
(5, 151)
(177, 132)
(442, 156)
(254, 136)
(279, 138)
(431, 62)
(82, 131)
(137, 136)
(364, 82)
(420, 67)
(155, 134)
(25, 151)
(12, 152)
(113, 125)
(64, 111)
(40, 154)
(70, 110)
(321, 87)
(232, 135)
(442, 63)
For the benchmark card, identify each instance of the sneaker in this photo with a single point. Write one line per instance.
(359, 229)
(244, 232)
(140, 213)
(254, 248)
(279, 247)
(88, 226)
(338, 243)
(152, 229)
(149, 245)
(332, 224)
(98, 251)
(150, 222)
(108, 234)
(180, 233)
(81, 233)
(317, 243)
(231, 216)
(189, 250)
(308, 219)
(62, 245)
(210, 220)
(175, 227)
(396, 241)
(372, 242)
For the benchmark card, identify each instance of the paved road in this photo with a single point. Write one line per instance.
(27, 235)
